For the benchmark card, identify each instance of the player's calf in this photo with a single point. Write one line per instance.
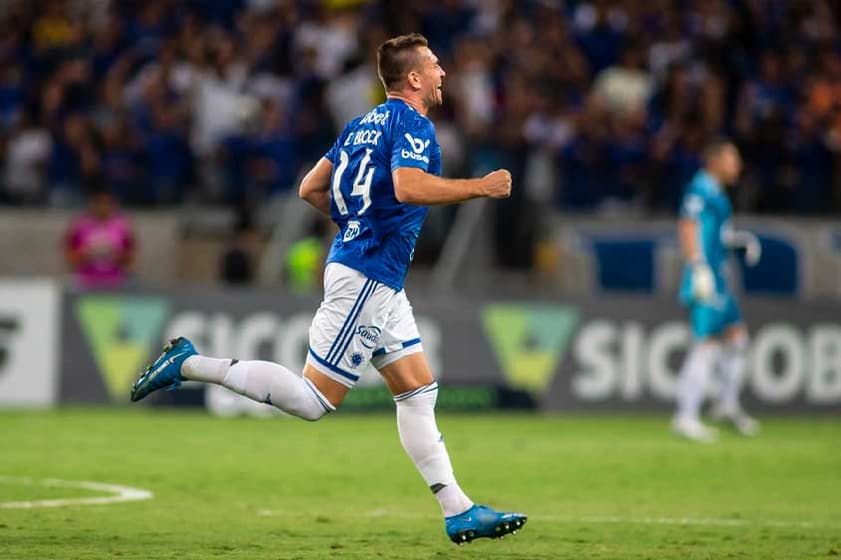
(273, 384)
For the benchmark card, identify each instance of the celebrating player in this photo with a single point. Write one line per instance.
(719, 335)
(376, 183)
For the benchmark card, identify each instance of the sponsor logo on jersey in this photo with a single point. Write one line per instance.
(418, 145)
(418, 148)
(351, 231)
(375, 117)
(368, 335)
(411, 155)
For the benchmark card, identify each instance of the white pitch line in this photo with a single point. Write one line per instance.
(118, 493)
(598, 520)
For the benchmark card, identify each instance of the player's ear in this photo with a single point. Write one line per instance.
(414, 80)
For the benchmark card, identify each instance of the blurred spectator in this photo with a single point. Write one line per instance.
(27, 151)
(600, 27)
(238, 265)
(329, 36)
(305, 260)
(122, 166)
(169, 161)
(75, 159)
(100, 244)
(358, 88)
(275, 160)
(624, 88)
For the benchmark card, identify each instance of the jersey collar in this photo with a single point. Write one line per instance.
(712, 181)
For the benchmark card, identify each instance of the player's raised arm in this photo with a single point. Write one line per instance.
(415, 186)
(315, 186)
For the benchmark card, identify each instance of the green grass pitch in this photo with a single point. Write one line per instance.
(594, 487)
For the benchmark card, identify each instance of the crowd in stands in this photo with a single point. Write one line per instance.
(594, 105)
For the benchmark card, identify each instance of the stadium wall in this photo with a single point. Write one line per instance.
(801, 258)
(31, 244)
(579, 255)
(604, 354)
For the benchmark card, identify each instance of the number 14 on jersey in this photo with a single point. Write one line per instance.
(361, 185)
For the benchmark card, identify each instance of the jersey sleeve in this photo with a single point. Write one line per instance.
(412, 144)
(692, 206)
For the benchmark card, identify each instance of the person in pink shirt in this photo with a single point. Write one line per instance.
(100, 244)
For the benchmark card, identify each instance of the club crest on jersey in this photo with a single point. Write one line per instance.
(693, 205)
(368, 335)
(351, 231)
(418, 147)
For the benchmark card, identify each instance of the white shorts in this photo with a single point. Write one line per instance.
(359, 321)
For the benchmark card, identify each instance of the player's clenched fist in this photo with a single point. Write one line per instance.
(498, 184)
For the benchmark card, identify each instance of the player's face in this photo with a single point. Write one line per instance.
(730, 165)
(431, 78)
(102, 206)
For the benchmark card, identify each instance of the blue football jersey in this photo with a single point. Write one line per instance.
(377, 234)
(705, 202)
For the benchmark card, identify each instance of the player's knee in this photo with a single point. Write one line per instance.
(312, 414)
(737, 340)
(708, 346)
(423, 397)
(314, 407)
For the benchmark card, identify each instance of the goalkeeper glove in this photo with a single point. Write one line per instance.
(703, 282)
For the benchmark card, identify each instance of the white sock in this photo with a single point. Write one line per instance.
(202, 368)
(694, 376)
(732, 367)
(425, 446)
(264, 382)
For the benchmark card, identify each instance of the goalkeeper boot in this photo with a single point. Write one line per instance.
(738, 419)
(694, 430)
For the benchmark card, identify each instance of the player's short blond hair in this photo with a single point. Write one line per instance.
(715, 147)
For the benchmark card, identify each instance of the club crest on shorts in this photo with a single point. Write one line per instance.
(353, 229)
(356, 359)
(368, 335)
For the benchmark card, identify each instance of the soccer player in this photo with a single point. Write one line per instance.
(719, 335)
(376, 183)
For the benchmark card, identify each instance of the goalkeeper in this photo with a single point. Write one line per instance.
(719, 337)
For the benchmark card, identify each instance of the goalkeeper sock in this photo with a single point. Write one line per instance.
(425, 446)
(264, 382)
(694, 376)
(732, 367)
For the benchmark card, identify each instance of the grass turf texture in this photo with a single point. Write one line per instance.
(343, 488)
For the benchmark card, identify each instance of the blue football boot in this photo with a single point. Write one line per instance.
(482, 521)
(165, 371)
